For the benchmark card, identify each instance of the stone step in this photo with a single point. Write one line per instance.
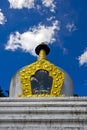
(33, 102)
(45, 117)
(62, 113)
(41, 128)
(42, 109)
(40, 99)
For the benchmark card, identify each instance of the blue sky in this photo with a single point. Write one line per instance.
(62, 24)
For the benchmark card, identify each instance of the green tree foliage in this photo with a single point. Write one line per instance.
(2, 94)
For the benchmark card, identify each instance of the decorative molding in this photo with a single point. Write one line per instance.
(30, 70)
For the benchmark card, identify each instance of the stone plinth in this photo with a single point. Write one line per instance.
(62, 113)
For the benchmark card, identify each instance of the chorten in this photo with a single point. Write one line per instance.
(41, 98)
(41, 78)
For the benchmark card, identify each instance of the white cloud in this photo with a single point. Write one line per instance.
(49, 3)
(2, 18)
(71, 27)
(27, 41)
(83, 58)
(19, 4)
(51, 18)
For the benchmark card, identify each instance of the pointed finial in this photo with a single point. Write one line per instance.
(42, 50)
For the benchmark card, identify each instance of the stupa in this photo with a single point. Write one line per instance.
(41, 98)
(41, 78)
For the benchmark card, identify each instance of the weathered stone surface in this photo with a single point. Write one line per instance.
(62, 113)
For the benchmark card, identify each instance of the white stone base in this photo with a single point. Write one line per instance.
(62, 113)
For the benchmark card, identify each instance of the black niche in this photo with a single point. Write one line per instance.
(41, 82)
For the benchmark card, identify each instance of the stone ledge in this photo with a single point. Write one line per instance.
(43, 128)
(40, 99)
(62, 113)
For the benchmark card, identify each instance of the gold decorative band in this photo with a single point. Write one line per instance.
(30, 70)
